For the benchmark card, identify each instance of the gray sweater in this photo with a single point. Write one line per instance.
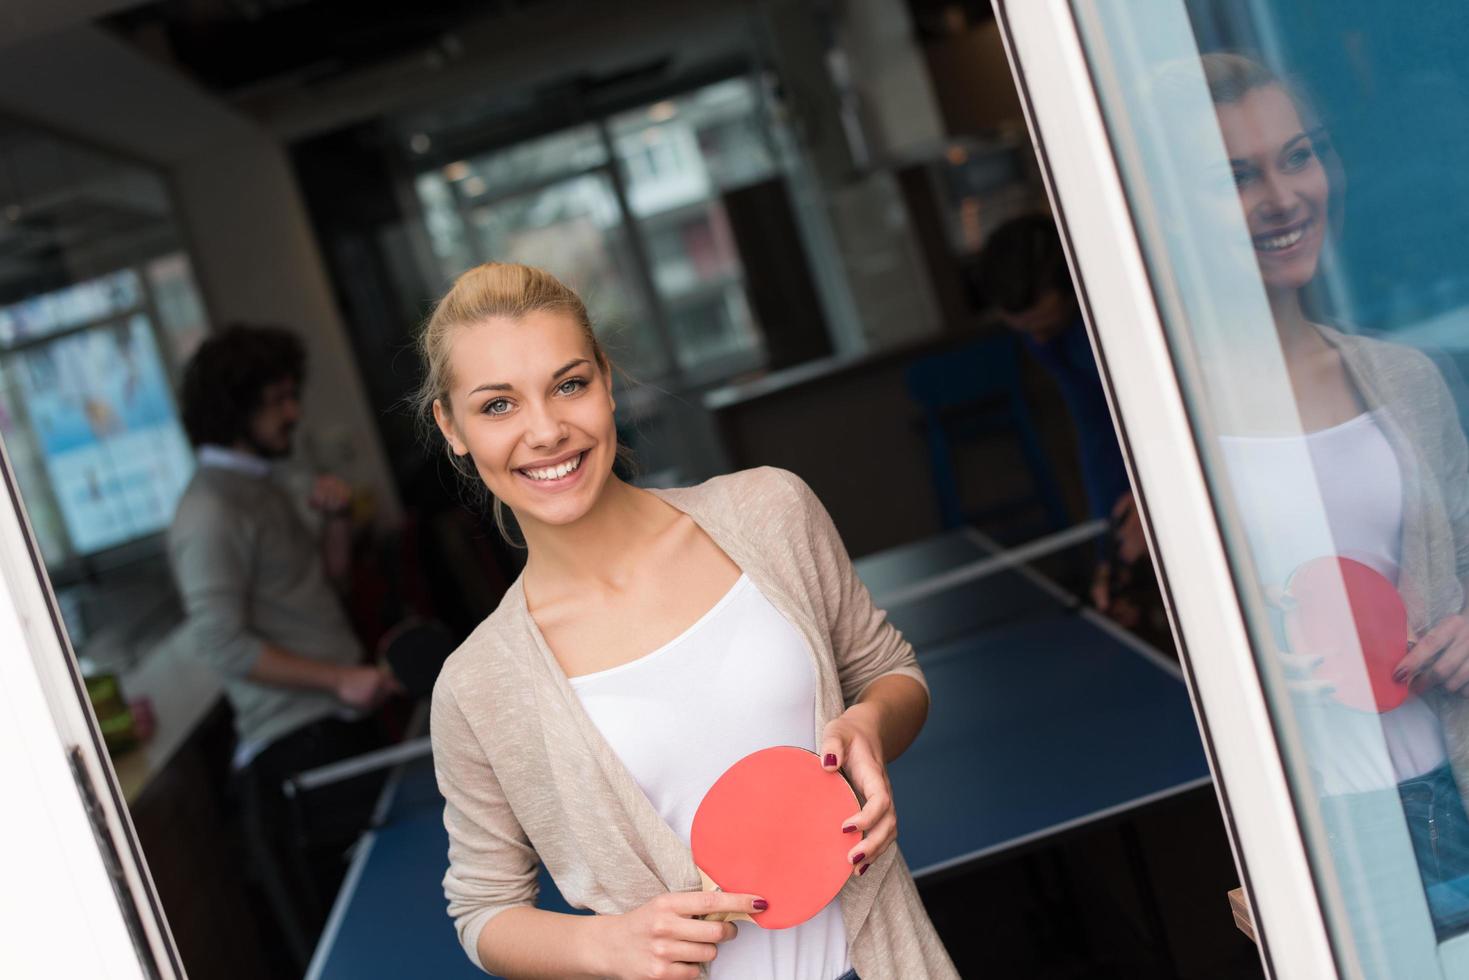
(248, 570)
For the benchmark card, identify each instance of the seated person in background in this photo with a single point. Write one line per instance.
(1022, 273)
(258, 588)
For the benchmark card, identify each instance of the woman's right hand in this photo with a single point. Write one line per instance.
(665, 939)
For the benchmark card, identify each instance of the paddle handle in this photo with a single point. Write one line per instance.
(710, 886)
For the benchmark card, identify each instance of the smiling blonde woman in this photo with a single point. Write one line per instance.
(654, 638)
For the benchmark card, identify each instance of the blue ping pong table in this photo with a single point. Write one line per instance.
(1045, 717)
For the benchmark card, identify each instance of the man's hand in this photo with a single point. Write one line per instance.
(1128, 527)
(365, 688)
(331, 495)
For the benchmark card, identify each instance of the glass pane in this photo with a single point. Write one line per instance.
(30, 471)
(100, 412)
(575, 228)
(697, 271)
(73, 306)
(179, 305)
(677, 157)
(526, 164)
(1295, 174)
(675, 151)
(447, 233)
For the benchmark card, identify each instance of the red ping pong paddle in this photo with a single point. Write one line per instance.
(1339, 606)
(772, 826)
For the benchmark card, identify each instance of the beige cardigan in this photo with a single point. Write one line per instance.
(527, 776)
(1421, 423)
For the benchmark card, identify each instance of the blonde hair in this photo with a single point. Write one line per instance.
(494, 289)
(1231, 76)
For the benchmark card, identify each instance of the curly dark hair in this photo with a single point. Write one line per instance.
(1021, 261)
(226, 377)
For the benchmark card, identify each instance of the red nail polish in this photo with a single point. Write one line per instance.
(1400, 675)
(830, 760)
(761, 905)
(849, 829)
(860, 856)
(863, 870)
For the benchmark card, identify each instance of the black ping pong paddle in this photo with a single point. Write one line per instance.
(415, 651)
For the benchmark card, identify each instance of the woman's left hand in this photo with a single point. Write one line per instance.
(1440, 658)
(852, 741)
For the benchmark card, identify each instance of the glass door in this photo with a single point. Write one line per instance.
(1264, 204)
(77, 898)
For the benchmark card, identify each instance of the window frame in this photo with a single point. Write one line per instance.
(59, 770)
(1124, 321)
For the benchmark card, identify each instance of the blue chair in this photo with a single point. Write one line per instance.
(970, 393)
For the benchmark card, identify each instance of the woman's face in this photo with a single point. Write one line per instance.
(1281, 183)
(533, 409)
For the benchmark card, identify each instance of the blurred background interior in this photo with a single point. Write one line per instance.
(774, 210)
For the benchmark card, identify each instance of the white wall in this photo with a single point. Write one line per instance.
(888, 71)
(257, 261)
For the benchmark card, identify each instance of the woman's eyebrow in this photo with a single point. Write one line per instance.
(568, 366)
(1315, 135)
(501, 386)
(505, 386)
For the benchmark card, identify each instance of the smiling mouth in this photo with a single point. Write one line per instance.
(552, 474)
(1282, 240)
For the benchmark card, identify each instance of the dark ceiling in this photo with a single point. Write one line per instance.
(239, 47)
(234, 47)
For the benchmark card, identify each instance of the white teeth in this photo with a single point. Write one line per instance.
(1278, 242)
(554, 472)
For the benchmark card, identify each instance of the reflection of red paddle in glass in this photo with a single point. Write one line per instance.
(772, 826)
(1340, 605)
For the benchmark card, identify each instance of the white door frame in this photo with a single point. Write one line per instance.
(76, 899)
(1123, 319)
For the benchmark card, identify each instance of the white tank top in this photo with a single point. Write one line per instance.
(1361, 487)
(738, 680)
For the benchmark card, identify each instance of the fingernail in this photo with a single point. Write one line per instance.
(849, 829)
(860, 856)
(830, 760)
(863, 870)
(1400, 675)
(761, 905)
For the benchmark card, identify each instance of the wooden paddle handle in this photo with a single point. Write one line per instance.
(710, 886)
(1241, 909)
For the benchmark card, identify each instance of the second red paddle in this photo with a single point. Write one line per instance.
(1340, 606)
(772, 826)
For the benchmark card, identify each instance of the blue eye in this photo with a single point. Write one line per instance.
(1243, 177)
(1298, 159)
(571, 386)
(496, 406)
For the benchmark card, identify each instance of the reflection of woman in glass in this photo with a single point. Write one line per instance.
(1389, 459)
